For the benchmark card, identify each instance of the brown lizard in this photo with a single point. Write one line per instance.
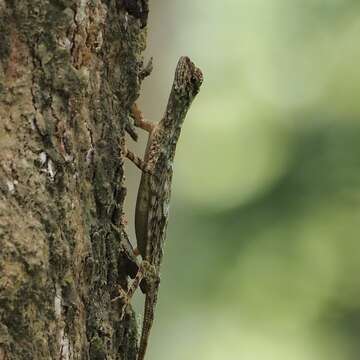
(152, 206)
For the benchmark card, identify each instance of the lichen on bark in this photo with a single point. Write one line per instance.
(69, 73)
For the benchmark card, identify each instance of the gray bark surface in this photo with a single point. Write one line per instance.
(69, 72)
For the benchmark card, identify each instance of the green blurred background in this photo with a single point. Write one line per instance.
(262, 254)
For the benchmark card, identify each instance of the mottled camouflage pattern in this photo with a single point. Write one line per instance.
(152, 207)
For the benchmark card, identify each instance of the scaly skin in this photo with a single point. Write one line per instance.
(152, 206)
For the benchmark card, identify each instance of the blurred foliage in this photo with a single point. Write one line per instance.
(262, 258)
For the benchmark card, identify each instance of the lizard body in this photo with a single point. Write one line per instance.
(152, 206)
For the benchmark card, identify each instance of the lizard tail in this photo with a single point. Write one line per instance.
(150, 302)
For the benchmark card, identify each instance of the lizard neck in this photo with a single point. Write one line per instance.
(175, 113)
(171, 123)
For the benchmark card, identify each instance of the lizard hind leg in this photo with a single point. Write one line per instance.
(141, 274)
(126, 297)
(147, 273)
(123, 296)
(151, 278)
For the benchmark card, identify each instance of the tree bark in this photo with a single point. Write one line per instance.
(69, 73)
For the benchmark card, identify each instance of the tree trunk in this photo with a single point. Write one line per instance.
(69, 73)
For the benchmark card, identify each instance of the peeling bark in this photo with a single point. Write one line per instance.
(69, 73)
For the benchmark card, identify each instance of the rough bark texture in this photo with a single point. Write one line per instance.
(69, 72)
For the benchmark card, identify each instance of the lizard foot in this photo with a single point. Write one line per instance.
(123, 296)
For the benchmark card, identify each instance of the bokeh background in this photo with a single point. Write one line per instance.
(262, 259)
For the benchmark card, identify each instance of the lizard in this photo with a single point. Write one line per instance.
(152, 205)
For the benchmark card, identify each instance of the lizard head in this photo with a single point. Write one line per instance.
(187, 81)
(188, 78)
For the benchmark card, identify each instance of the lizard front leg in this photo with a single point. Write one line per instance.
(140, 163)
(140, 120)
(146, 125)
